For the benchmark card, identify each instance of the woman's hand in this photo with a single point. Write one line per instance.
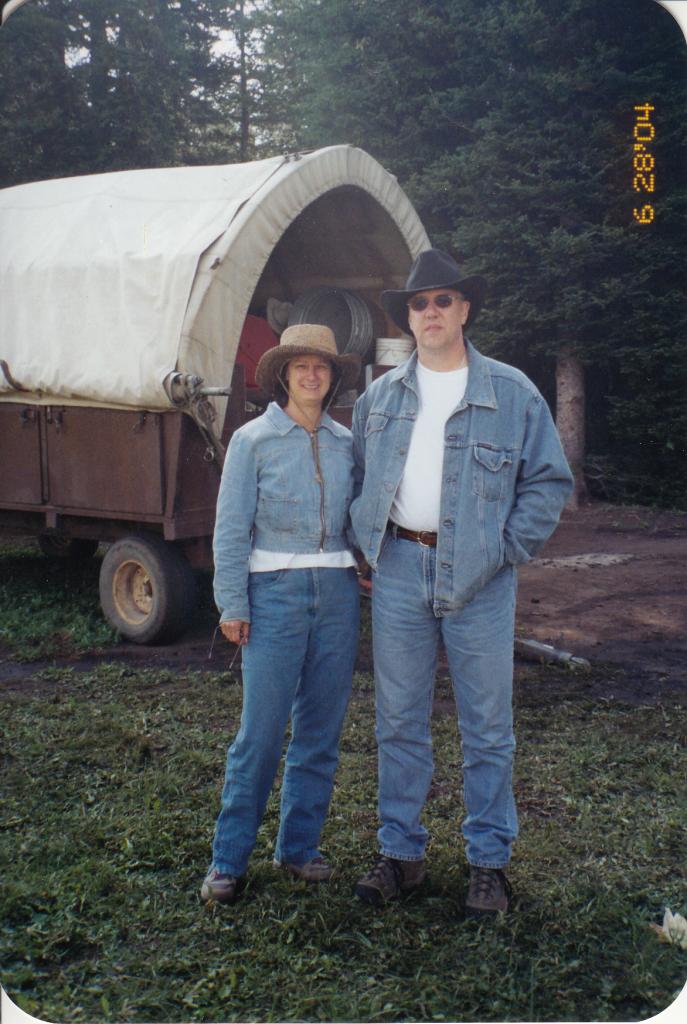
(363, 572)
(236, 631)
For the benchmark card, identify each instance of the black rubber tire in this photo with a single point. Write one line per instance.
(147, 589)
(79, 549)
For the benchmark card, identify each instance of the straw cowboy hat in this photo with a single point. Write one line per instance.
(306, 340)
(431, 270)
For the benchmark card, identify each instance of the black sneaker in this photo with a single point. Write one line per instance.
(389, 878)
(489, 892)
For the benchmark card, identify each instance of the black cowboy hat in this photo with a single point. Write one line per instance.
(434, 269)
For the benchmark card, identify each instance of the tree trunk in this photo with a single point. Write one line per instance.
(244, 103)
(570, 418)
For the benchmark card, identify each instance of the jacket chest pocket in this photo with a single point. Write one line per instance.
(279, 515)
(374, 425)
(385, 433)
(490, 472)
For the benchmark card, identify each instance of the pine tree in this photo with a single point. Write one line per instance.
(510, 124)
(41, 108)
(91, 87)
(546, 195)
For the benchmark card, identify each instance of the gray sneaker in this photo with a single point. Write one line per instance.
(315, 870)
(489, 892)
(218, 887)
(389, 878)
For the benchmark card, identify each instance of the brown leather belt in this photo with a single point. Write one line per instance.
(424, 537)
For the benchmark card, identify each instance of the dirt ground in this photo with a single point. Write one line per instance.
(610, 586)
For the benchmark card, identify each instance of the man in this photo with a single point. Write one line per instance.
(464, 478)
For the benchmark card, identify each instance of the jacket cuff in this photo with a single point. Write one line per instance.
(235, 615)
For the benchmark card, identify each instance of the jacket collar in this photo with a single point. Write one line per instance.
(282, 422)
(479, 390)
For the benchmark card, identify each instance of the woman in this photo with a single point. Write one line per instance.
(286, 588)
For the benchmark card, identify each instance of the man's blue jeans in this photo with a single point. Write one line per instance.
(479, 647)
(299, 662)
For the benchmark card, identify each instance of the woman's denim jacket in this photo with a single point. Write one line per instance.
(271, 497)
(505, 477)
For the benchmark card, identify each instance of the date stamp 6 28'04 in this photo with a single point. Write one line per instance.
(643, 162)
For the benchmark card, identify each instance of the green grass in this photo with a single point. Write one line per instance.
(49, 606)
(111, 781)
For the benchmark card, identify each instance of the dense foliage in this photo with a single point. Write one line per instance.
(91, 87)
(509, 122)
(511, 125)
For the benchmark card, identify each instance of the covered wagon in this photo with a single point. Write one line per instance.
(133, 307)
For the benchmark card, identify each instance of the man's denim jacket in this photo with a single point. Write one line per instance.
(271, 497)
(505, 477)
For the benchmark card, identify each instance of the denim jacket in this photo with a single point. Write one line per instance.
(281, 490)
(505, 477)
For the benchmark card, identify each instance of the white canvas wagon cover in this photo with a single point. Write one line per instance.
(111, 282)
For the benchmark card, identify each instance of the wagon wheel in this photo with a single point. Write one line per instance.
(147, 589)
(58, 546)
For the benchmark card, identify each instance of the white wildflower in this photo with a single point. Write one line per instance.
(675, 928)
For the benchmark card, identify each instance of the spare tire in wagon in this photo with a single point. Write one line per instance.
(147, 589)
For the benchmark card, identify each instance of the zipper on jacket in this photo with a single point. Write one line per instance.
(318, 476)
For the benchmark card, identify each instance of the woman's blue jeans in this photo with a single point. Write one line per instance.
(299, 663)
(479, 646)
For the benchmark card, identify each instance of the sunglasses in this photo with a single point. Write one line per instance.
(420, 302)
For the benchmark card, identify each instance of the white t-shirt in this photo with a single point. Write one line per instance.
(418, 498)
(268, 561)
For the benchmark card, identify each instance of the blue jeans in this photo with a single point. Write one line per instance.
(479, 647)
(299, 662)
